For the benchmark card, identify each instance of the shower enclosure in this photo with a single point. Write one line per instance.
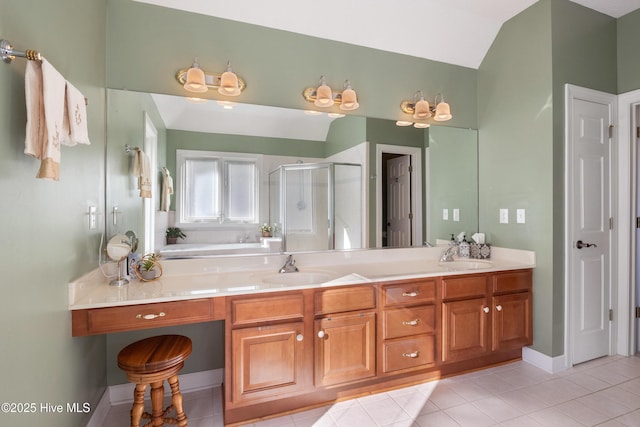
(317, 206)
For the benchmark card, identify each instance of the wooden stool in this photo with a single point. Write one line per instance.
(151, 361)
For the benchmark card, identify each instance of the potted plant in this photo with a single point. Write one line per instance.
(265, 229)
(173, 234)
(148, 267)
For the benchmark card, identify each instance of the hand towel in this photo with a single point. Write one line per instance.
(76, 113)
(142, 170)
(167, 190)
(45, 132)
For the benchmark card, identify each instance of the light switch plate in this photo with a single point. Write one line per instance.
(445, 214)
(93, 221)
(520, 216)
(456, 214)
(504, 216)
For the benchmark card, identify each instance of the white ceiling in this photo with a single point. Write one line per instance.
(457, 32)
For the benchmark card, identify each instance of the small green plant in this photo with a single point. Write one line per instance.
(265, 228)
(148, 261)
(175, 233)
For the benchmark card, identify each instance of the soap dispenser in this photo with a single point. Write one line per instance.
(464, 248)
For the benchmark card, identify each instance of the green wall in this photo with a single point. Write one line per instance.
(521, 121)
(628, 60)
(47, 239)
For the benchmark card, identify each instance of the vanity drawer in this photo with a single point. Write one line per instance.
(409, 353)
(404, 322)
(516, 281)
(464, 287)
(410, 292)
(345, 299)
(144, 316)
(267, 309)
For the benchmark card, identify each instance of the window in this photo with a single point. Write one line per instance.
(217, 188)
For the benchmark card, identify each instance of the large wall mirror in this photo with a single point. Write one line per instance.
(443, 195)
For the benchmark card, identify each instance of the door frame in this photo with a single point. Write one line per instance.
(628, 104)
(416, 189)
(574, 92)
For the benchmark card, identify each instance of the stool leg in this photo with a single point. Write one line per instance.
(176, 398)
(138, 404)
(157, 414)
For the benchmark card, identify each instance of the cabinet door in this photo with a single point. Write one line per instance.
(512, 321)
(464, 329)
(345, 348)
(267, 361)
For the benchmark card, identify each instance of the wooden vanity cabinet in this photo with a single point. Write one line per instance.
(485, 314)
(345, 335)
(408, 325)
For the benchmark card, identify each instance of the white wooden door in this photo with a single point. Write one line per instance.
(589, 147)
(399, 202)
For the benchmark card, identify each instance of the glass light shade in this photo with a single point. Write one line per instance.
(443, 112)
(324, 96)
(421, 110)
(403, 123)
(229, 84)
(195, 80)
(349, 100)
(421, 125)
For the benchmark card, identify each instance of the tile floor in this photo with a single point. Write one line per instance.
(603, 392)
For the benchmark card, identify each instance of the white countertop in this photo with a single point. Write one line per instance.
(236, 275)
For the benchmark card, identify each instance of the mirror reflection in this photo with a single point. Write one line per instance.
(332, 159)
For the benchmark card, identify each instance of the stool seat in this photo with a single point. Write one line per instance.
(151, 361)
(154, 354)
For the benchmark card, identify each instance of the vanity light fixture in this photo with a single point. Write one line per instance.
(323, 96)
(195, 79)
(420, 110)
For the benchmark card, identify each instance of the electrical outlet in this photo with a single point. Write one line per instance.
(93, 220)
(456, 214)
(504, 216)
(520, 216)
(445, 214)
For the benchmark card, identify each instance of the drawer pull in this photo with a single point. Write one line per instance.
(499, 307)
(413, 322)
(486, 309)
(410, 294)
(150, 316)
(411, 355)
(299, 337)
(321, 334)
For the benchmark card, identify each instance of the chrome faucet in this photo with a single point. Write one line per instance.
(447, 254)
(289, 266)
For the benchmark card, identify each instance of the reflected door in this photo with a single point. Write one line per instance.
(399, 201)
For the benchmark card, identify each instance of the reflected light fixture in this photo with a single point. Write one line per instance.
(323, 96)
(420, 110)
(195, 79)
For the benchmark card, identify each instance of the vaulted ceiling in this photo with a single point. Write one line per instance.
(457, 32)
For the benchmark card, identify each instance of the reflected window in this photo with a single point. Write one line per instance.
(217, 188)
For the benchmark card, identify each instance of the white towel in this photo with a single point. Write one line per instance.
(76, 111)
(45, 99)
(167, 190)
(142, 170)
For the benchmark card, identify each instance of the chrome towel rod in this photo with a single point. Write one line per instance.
(9, 53)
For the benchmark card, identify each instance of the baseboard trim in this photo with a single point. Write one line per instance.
(123, 393)
(550, 364)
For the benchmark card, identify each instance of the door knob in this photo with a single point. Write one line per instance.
(580, 244)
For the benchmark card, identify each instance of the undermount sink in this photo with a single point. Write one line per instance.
(298, 278)
(459, 265)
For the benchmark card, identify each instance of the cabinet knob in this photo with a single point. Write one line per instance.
(411, 355)
(499, 307)
(486, 309)
(299, 337)
(410, 294)
(150, 316)
(321, 334)
(413, 322)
